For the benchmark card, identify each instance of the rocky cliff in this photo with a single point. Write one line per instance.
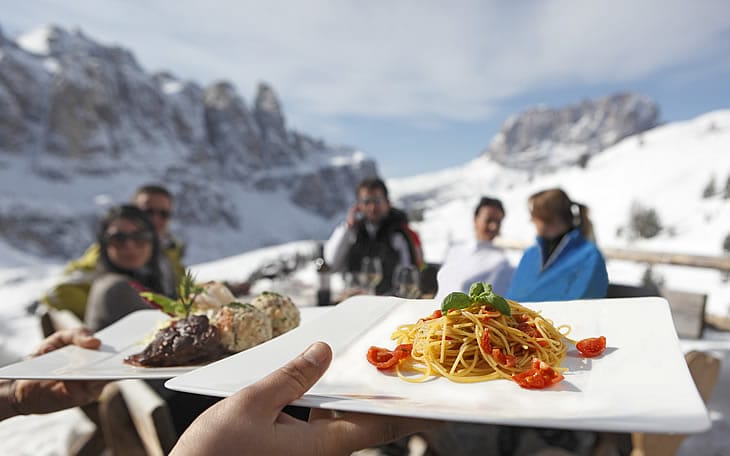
(82, 124)
(544, 139)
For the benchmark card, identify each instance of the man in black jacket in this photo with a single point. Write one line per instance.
(373, 229)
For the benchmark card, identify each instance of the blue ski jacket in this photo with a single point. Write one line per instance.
(575, 270)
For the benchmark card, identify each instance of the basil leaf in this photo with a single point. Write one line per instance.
(500, 304)
(476, 289)
(455, 300)
(488, 296)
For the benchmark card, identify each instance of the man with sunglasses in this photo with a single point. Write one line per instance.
(373, 229)
(73, 291)
(156, 202)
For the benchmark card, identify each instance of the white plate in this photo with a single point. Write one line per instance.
(641, 383)
(125, 337)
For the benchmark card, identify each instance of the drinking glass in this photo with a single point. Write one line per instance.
(406, 282)
(371, 273)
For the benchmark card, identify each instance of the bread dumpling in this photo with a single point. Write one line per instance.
(242, 326)
(283, 313)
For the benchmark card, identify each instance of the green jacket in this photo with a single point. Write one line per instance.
(72, 292)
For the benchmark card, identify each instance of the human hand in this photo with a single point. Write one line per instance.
(46, 396)
(252, 422)
(353, 216)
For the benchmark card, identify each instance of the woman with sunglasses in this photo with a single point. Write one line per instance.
(127, 265)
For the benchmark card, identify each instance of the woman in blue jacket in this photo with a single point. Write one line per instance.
(565, 263)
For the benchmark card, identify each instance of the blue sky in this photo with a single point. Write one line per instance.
(418, 85)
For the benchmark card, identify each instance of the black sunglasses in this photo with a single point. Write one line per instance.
(120, 238)
(165, 214)
(377, 200)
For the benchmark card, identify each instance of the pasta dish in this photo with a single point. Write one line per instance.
(477, 344)
(478, 337)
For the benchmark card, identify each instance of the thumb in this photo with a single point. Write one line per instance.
(288, 383)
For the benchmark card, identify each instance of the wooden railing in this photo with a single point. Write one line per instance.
(688, 308)
(678, 259)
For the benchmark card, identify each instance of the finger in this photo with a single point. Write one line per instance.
(84, 337)
(83, 392)
(322, 414)
(288, 383)
(355, 431)
(77, 336)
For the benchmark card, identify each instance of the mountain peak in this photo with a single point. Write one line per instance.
(544, 138)
(76, 111)
(58, 42)
(267, 109)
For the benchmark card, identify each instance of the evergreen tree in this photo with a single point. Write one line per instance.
(644, 222)
(709, 190)
(726, 192)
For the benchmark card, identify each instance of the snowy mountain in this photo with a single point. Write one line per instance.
(82, 124)
(545, 139)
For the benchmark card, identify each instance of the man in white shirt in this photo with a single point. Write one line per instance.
(477, 260)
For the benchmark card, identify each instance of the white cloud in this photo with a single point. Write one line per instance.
(409, 59)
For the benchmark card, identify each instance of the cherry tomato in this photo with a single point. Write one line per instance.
(498, 356)
(529, 329)
(382, 358)
(503, 359)
(403, 351)
(484, 342)
(540, 376)
(436, 314)
(591, 347)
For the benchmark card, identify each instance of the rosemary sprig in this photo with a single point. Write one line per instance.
(187, 291)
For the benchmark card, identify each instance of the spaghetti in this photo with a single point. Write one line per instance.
(478, 342)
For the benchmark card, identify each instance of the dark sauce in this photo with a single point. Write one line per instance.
(186, 342)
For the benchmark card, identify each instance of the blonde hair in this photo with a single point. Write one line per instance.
(554, 205)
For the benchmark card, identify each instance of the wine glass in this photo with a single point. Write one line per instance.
(371, 273)
(406, 282)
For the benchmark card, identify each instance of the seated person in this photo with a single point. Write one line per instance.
(127, 265)
(373, 229)
(73, 291)
(477, 260)
(565, 263)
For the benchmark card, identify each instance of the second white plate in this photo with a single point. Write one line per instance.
(125, 337)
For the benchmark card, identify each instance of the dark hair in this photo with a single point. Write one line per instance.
(372, 183)
(152, 189)
(150, 276)
(486, 201)
(554, 205)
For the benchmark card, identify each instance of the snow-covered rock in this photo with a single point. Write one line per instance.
(545, 138)
(82, 121)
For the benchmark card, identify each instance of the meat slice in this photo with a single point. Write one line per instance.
(187, 341)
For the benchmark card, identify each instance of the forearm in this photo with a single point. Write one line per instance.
(336, 248)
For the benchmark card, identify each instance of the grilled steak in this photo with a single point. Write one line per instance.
(187, 341)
